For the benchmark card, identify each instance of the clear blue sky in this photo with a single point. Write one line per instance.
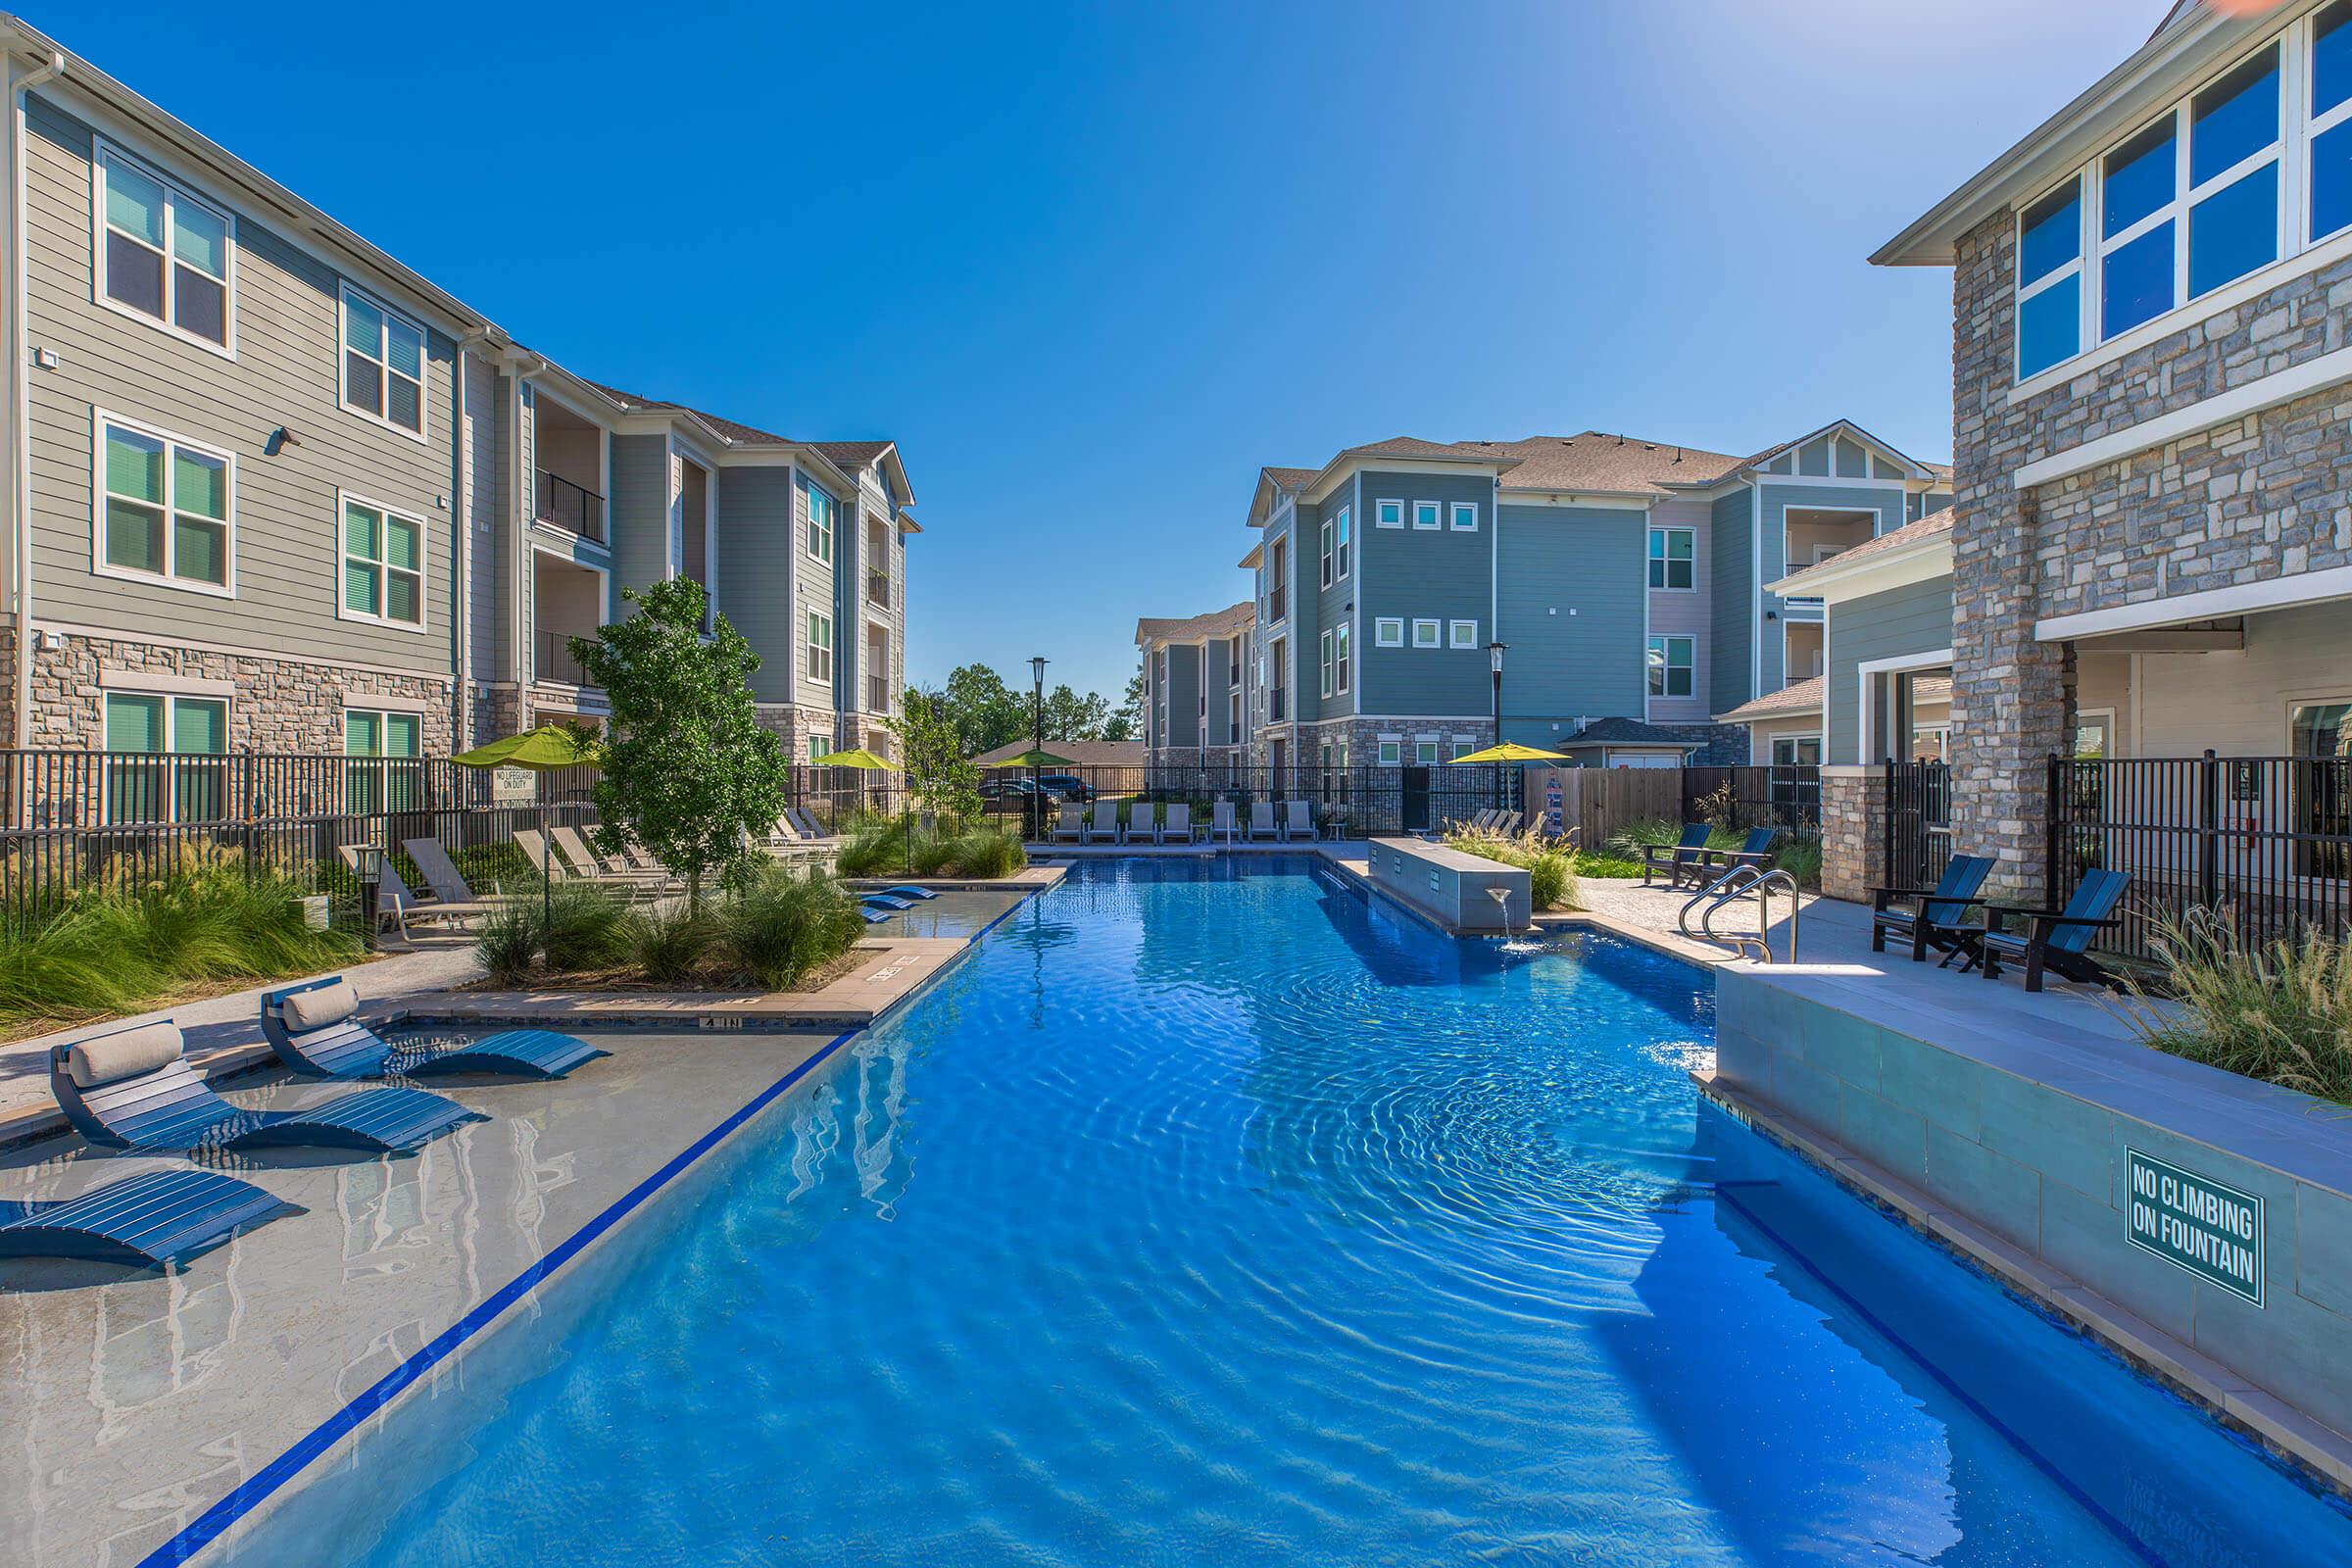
(1091, 266)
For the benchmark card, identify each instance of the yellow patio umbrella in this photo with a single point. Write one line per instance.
(858, 757)
(1511, 752)
(545, 749)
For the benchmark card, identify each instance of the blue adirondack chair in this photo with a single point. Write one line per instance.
(315, 1029)
(1933, 919)
(145, 1221)
(1754, 850)
(1681, 861)
(132, 1087)
(2056, 938)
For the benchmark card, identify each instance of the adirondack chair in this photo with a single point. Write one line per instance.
(1683, 861)
(2056, 938)
(1934, 918)
(1755, 850)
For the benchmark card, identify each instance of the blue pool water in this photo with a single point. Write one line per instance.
(1212, 1216)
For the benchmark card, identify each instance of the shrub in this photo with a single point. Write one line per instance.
(1605, 867)
(781, 927)
(507, 944)
(1802, 859)
(1629, 840)
(2280, 1010)
(588, 928)
(1550, 870)
(886, 847)
(1719, 809)
(989, 851)
(668, 946)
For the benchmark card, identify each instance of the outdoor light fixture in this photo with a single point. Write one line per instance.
(368, 859)
(1036, 785)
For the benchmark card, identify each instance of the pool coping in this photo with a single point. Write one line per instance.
(2312, 1450)
(246, 1504)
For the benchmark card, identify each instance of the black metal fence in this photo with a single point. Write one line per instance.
(71, 822)
(2266, 839)
(1762, 795)
(1355, 801)
(1918, 828)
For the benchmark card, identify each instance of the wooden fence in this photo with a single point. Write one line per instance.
(1598, 801)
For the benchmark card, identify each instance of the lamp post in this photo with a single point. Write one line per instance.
(368, 861)
(1037, 675)
(1495, 651)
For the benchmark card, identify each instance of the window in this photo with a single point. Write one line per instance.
(1233, 715)
(819, 746)
(165, 255)
(1796, 751)
(821, 647)
(1324, 649)
(1462, 749)
(171, 727)
(167, 508)
(2319, 786)
(822, 511)
(1672, 660)
(1388, 631)
(1327, 547)
(1465, 516)
(2331, 157)
(1425, 753)
(1391, 751)
(393, 742)
(383, 364)
(1388, 514)
(383, 566)
(1338, 644)
(1425, 514)
(1463, 633)
(1672, 558)
(1425, 634)
(1344, 532)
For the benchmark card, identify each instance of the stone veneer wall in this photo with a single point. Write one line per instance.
(796, 725)
(2255, 499)
(280, 705)
(1853, 831)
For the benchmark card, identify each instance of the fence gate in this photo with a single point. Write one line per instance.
(1415, 805)
(1919, 822)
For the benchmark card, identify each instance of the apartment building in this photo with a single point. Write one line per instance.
(272, 490)
(1198, 688)
(1597, 594)
(2150, 548)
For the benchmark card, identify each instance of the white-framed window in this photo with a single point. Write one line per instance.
(2328, 105)
(1323, 654)
(1388, 514)
(1462, 749)
(1672, 558)
(166, 508)
(1327, 549)
(171, 728)
(1425, 514)
(1343, 530)
(1425, 753)
(1425, 634)
(1233, 715)
(1464, 516)
(385, 772)
(165, 256)
(382, 571)
(1339, 659)
(1391, 750)
(821, 647)
(1388, 631)
(1673, 666)
(1461, 633)
(823, 512)
(1795, 750)
(819, 746)
(383, 364)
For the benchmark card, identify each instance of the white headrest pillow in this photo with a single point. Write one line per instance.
(126, 1054)
(311, 1010)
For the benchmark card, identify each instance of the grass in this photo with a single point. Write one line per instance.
(2280, 1010)
(1550, 871)
(1603, 867)
(111, 951)
(887, 846)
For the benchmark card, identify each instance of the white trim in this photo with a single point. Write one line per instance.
(1437, 632)
(344, 501)
(1387, 500)
(136, 639)
(1344, 543)
(2274, 593)
(1454, 515)
(1897, 567)
(422, 434)
(1380, 639)
(100, 566)
(1897, 663)
(1693, 562)
(1437, 516)
(103, 152)
(151, 682)
(833, 645)
(1453, 634)
(1343, 650)
(2252, 397)
(1666, 664)
(1755, 608)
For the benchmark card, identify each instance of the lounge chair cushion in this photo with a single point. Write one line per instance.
(313, 1009)
(125, 1055)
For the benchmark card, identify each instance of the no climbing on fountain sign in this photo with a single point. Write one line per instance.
(2196, 1223)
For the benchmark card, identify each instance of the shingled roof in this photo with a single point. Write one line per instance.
(1216, 624)
(1939, 521)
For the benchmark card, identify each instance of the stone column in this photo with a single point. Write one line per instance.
(1853, 831)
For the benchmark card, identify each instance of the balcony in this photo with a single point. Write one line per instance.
(569, 506)
(1277, 704)
(877, 694)
(877, 589)
(567, 601)
(555, 662)
(1277, 605)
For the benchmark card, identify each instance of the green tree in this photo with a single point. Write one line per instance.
(983, 711)
(940, 774)
(1072, 717)
(1125, 722)
(687, 770)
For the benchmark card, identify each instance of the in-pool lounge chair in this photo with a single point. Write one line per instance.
(1143, 823)
(1221, 823)
(132, 1087)
(1261, 821)
(1298, 821)
(1934, 915)
(1104, 825)
(1070, 824)
(908, 889)
(879, 901)
(1683, 861)
(1178, 828)
(2055, 939)
(315, 1029)
(145, 1221)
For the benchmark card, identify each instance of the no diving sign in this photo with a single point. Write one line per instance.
(2194, 1222)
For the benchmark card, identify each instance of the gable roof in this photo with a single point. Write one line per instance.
(1928, 530)
(848, 456)
(1792, 701)
(1832, 431)
(1196, 628)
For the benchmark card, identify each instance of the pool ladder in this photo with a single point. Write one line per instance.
(1733, 884)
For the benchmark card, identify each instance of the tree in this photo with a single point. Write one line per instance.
(1072, 717)
(1126, 721)
(687, 770)
(983, 710)
(940, 773)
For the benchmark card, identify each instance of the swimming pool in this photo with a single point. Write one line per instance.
(1210, 1212)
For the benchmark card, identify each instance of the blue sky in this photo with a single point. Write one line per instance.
(1091, 265)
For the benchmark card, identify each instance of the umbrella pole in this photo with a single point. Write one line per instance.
(547, 890)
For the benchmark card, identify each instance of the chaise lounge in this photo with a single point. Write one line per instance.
(132, 1087)
(144, 1221)
(315, 1029)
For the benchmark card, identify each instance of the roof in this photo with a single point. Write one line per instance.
(847, 455)
(1625, 732)
(1832, 429)
(1216, 624)
(851, 454)
(1797, 698)
(1927, 528)
(1082, 754)
(1291, 478)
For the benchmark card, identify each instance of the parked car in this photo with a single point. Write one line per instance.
(1066, 787)
(1007, 791)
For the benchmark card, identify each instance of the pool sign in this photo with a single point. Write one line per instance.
(2192, 1221)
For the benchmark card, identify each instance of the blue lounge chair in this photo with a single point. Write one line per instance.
(1933, 919)
(875, 916)
(133, 1089)
(2055, 939)
(910, 891)
(877, 901)
(1681, 861)
(157, 1217)
(315, 1029)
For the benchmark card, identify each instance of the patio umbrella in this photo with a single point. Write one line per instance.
(860, 758)
(1511, 752)
(1035, 758)
(545, 749)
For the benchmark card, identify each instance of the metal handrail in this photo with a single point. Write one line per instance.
(1740, 879)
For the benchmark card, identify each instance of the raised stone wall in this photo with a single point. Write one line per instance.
(278, 705)
(1853, 831)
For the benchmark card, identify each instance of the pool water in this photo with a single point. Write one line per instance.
(1211, 1213)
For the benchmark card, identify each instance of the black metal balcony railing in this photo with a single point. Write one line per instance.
(571, 505)
(556, 663)
(877, 694)
(1274, 704)
(1276, 603)
(877, 588)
